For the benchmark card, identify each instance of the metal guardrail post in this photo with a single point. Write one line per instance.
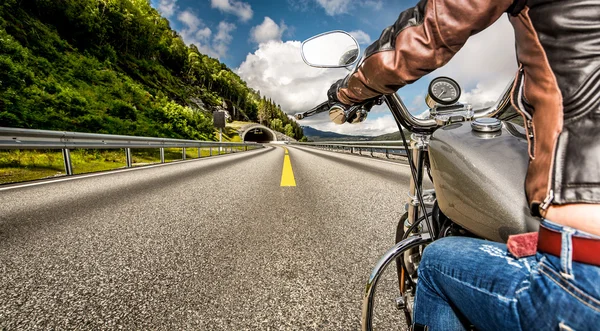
(18, 138)
(128, 157)
(67, 159)
(210, 150)
(361, 146)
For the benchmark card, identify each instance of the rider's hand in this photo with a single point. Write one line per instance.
(340, 113)
(332, 95)
(333, 99)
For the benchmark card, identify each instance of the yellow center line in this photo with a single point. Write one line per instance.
(287, 174)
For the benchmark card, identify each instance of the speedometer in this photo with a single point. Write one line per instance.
(444, 91)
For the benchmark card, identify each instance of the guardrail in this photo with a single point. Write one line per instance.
(14, 138)
(395, 148)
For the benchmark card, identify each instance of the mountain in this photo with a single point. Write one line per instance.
(394, 136)
(318, 135)
(115, 67)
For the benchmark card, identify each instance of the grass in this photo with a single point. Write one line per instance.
(230, 132)
(25, 165)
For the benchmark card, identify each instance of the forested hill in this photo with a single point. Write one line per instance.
(114, 66)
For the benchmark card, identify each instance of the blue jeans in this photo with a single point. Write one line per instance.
(465, 281)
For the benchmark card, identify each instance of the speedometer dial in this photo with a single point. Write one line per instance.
(443, 91)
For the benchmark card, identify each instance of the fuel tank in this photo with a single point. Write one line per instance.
(479, 179)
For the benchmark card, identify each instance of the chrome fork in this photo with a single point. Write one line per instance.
(389, 257)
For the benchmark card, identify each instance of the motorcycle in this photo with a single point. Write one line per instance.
(476, 159)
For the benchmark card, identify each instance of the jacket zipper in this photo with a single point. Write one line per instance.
(544, 206)
(527, 115)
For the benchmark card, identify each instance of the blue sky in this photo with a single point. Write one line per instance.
(260, 40)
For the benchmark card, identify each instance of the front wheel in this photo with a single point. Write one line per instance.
(401, 272)
(407, 265)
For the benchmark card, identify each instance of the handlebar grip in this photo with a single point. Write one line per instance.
(338, 114)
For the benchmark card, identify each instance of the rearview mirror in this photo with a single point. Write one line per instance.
(335, 49)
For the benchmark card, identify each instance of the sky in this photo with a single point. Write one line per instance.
(260, 40)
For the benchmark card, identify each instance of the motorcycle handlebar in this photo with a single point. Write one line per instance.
(403, 116)
(323, 107)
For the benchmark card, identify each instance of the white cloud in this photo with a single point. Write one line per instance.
(371, 127)
(224, 32)
(486, 63)
(268, 30)
(362, 37)
(277, 70)
(337, 7)
(195, 32)
(203, 34)
(190, 20)
(167, 7)
(375, 5)
(334, 7)
(223, 38)
(237, 8)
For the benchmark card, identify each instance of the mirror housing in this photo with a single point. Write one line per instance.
(334, 49)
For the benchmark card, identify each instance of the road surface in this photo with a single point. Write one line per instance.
(210, 244)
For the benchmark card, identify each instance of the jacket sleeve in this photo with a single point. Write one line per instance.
(423, 39)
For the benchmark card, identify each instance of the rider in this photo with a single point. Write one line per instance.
(466, 281)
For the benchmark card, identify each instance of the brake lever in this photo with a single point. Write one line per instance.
(338, 113)
(317, 110)
(354, 114)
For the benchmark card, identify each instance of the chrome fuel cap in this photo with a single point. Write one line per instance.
(486, 125)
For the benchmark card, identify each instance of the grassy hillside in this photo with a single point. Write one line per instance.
(114, 66)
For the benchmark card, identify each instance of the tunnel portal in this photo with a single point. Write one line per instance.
(259, 135)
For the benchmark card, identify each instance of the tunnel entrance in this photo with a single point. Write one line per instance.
(259, 135)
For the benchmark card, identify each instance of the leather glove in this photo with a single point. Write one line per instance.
(333, 99)
(337, 110)
(332, 95)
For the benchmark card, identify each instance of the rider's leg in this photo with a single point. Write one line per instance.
(465, 280)
(478, 280)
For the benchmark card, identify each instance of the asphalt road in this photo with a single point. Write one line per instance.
(211, 244)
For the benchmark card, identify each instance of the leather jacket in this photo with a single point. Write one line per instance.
(557, 89)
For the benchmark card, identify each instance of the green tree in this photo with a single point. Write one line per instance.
(114, 66)
(289, 130)
(276, 125)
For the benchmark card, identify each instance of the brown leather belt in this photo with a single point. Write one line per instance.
(585, 250)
